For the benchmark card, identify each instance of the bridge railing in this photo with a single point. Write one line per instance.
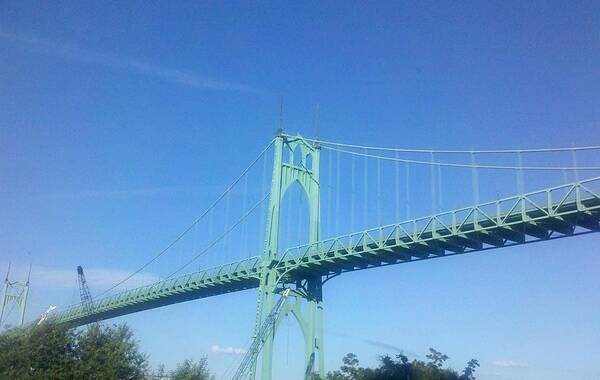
(541, 204)
(245, 267)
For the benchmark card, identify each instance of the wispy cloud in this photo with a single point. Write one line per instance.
(127, 193)
(74, 53)
(62, 278)
(139, 192)
(227, 350)
(508, 364)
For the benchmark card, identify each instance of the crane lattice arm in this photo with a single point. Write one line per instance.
(84, 291)
(259, 340)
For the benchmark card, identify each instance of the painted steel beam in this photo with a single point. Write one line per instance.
(223, 279)
(566, 211)
(563, 211)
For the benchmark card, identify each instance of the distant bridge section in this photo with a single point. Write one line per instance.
(210, 282)
(558, 212)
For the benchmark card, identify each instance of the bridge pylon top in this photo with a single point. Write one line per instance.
(15, 292)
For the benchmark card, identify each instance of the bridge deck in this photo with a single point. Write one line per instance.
(563, 211)
(207, 283)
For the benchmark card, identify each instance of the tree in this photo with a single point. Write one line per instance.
(348, 371)
(401, 368)
(189, 370)
(160, 371)
(51, 351)
(469, 371)
(109, 353)
(46, 352)
(436, 358)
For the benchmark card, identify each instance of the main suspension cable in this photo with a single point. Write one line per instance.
(455, 151)
(458, 165)
(196, 221)
(220, 237)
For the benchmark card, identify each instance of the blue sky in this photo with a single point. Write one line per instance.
(121, 122)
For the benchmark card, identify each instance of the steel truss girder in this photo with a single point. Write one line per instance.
(459, 231)
(564, 219)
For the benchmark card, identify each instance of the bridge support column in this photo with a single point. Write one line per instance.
(313, 329)
(307, 309)
(267, 292)
(287, 171)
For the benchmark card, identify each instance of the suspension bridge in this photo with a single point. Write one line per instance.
(569, 206)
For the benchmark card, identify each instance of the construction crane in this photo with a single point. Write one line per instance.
(259, 339)
(84, 291)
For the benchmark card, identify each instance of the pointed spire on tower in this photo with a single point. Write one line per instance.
(317, 125)
(280, 129)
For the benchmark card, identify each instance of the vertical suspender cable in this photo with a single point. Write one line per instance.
(353, 187)
(366, 192)
(432, 184)
(379, 192)
(263, 213)
(210, 232)
(520, 179)
(244, 237)
(574, 158)
(329, 190)
(188, 229)
(226, 240)
(197, 241)
(194, 239)
(337, 195)
(407, 181)
(475, 179)
(397, 185)
(439, 183)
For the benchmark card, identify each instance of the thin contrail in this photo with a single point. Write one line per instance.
(176, 76)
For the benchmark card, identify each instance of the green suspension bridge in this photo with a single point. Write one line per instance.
(569, 209)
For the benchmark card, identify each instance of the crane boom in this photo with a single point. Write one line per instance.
(84, 291)
(259, 340)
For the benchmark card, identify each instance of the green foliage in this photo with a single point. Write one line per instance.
(349, 370)
(469, 371)
(55, 352)
(160, 371)
(401, 368)
(109, 353)
(189, 370)
(436, 358)
(42, 353)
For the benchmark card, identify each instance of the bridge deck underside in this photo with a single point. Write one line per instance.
(202, 284)
(390, 246)
(575, 212)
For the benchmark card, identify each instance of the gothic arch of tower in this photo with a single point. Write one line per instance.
(295, 161)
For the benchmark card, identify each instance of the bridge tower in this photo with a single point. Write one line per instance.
(16, 293)
(307, 308)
